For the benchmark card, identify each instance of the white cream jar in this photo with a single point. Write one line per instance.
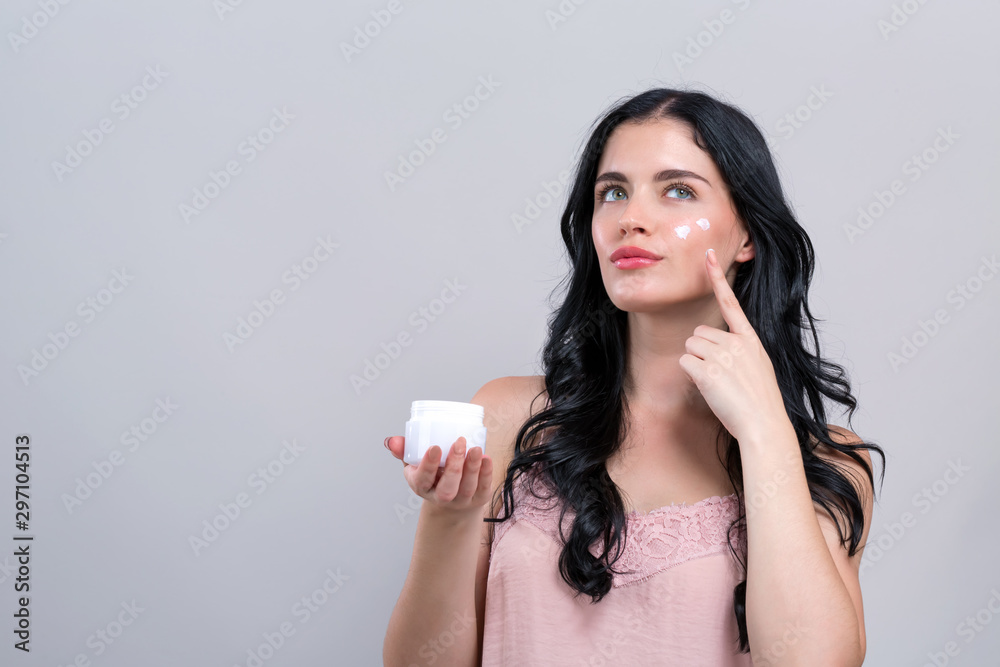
(441, 423)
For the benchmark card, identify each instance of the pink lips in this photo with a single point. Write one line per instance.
(633, 257)
(634, 262)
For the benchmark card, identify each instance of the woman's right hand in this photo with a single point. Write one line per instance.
(464, 484)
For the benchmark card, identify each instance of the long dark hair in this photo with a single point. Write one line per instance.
(585, 419)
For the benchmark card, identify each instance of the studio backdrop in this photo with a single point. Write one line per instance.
(238, 238)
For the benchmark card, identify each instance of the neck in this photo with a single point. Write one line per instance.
(655, 382)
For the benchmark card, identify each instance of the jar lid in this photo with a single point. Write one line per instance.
(439, 408)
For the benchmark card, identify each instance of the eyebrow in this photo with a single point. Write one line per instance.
(665, 175)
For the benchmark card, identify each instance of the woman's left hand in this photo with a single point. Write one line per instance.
(731, 368)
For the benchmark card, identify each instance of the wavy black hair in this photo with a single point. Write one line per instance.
(585, 419)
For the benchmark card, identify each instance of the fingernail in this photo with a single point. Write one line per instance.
(386, 443)
(711, 257)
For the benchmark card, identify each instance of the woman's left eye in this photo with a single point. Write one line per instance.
(686, 194)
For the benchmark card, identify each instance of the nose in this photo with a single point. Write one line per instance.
(635, 219)
(629, 225)
(632, 220)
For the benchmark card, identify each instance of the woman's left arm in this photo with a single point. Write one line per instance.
(803, 594)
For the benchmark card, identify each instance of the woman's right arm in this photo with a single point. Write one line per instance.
(438, 618)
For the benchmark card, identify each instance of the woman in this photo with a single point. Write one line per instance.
(679, 498)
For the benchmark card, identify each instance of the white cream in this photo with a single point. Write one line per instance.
(703, 223)
(682, 231)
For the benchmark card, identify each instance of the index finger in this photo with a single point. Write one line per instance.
(728, 303)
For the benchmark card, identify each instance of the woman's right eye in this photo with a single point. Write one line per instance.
(603, 194)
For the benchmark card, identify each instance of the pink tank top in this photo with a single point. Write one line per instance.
(673, 607)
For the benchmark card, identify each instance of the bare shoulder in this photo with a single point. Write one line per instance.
(843, 436)
(512, 392)
(512, 388)
(508, 402)
(851, 468)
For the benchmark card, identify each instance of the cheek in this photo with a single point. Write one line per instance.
(604, 236)
(601, 245)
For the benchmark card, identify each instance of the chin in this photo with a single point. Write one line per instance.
(635, 304)
(646, 302)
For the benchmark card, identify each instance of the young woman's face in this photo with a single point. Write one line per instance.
(658, 191)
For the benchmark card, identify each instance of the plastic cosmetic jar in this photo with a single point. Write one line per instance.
(441, 423)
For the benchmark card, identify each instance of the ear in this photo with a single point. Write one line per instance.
(747, 251)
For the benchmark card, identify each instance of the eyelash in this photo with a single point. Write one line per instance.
(676, 184)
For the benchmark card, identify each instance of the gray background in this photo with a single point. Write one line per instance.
(343, 505)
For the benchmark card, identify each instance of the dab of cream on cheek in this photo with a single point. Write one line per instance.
(682, 231)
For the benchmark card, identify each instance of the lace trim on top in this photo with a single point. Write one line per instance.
(656, 540)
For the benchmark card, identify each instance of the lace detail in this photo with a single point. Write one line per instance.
(655, 541)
